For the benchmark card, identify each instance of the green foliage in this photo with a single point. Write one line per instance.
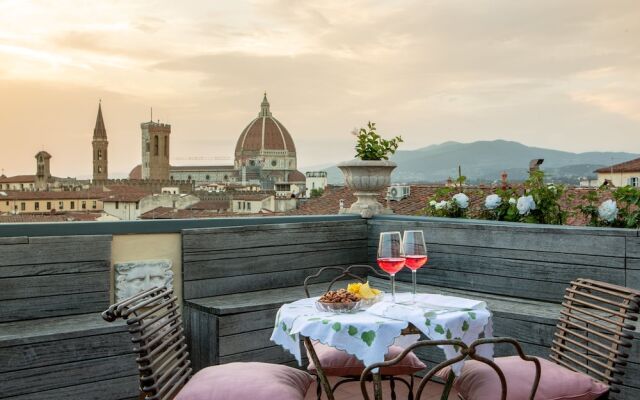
(371, 146)
(316, 193)
(442, 203)
(507, 210)
(548, 201)
(627, 199)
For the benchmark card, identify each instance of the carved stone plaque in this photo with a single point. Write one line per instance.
(133, 277)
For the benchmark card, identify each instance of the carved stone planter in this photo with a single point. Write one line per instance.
(366, 179)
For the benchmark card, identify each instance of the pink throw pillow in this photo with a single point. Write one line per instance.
(478, 381)
(250, 380)
(340, 363)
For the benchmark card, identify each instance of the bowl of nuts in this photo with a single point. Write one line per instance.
(338, 301)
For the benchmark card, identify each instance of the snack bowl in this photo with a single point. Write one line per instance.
(373, 300)
(341, 308)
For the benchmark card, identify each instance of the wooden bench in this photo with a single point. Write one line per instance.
(53, 342)
(236, 278)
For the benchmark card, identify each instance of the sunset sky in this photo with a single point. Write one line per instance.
(561, 74)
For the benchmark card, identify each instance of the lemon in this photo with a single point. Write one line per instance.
(354, 288)
(366, 292)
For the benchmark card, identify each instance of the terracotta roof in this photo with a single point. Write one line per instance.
(18, 179)
(264, 133)
(627, 166)
(46, 195)
(124, 193)
(329, 202)
(49, 217)
(171, 213)
(297, 176)
(251, 196)
(136, 172)
(210, 205)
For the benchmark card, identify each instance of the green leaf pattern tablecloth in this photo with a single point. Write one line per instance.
(368, 334)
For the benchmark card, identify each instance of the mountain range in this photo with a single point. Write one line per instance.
(484, 161)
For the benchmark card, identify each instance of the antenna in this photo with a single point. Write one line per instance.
(151, 115)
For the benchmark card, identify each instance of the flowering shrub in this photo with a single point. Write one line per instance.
(443, 204)
(621, 211)
(542, 202)
(501, 206)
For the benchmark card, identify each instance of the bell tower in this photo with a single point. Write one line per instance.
(100, 144)
(43, 170)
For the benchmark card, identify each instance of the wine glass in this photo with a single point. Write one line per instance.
(415, 251)
(391, 256)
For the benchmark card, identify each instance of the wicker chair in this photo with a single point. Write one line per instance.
(154, 320)
(341, 274)
(444, 367)
(591, 342)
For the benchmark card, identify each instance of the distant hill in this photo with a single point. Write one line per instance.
(484, 161)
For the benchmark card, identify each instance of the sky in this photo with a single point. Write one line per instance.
(559, 74)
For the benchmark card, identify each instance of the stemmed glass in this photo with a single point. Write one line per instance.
(391, 256)
(415, 251)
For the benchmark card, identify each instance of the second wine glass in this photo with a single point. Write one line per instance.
(391, 256)
(415, 251)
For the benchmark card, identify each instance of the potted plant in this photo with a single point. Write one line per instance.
(370, 171)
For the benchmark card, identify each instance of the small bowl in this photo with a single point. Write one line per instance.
(369, 302)
(340, 308)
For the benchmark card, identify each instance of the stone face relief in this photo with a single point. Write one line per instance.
(133, 277)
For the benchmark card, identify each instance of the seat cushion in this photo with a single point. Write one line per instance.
(478, 381)
(340, 363)
(251, 380)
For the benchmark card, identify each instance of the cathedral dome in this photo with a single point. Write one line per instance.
(263, 135)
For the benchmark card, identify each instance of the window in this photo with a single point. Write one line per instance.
(274, 163)
(207, 177)
(48, 205)
(138, 205)
(99, 154)
(61, 205)
(633, 181)
(83, 205)
(94, 205)
(36, 206)
(7, 202)
(248, 206)
(147, 146)
(156, 145)
(73, 205)
(117, 205)
(99, 169)
(23, 206)
(239, 205)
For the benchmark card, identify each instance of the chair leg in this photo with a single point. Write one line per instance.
(392, 386)
(318, 388)
(410, 397)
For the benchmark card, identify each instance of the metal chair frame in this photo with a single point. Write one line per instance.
(465, 352)
(153, 318)
(321, 379)
(593, 334)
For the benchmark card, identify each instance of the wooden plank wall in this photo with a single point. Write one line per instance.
(219, 261)
(524, 262)
(53, 342)
(44, 277)
(534, 262)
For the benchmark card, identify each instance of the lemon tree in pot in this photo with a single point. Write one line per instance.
(370, 171)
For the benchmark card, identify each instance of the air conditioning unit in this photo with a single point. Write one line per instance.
(398, 192)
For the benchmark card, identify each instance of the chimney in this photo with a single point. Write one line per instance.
(503, 178)
(534, 165)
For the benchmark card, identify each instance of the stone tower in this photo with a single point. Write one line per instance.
(43, 171)
(100, 144)
(155, 150)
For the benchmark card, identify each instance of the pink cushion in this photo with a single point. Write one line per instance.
(340, 363)
(478, 381)
(251, 380)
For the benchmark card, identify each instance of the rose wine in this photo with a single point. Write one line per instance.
(391, 265)
(415, 262)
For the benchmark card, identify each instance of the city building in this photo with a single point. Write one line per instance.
(100, 145)
(129, 203)
(42, 180)
(316, 180)
(623, 174)
(24, 202)
(155, 150)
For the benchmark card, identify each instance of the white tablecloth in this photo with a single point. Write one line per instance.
(368, 334)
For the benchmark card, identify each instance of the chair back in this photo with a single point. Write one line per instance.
(342, 273)
(154, 321)
(593, 334)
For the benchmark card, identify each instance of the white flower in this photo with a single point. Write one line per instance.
(526, 204)
(512, 201)
(442, 205)
(462, 200)
(492, 201)
(432, 203)
(552, 187)
(608, 210)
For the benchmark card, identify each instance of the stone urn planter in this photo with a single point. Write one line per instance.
(366, 178)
